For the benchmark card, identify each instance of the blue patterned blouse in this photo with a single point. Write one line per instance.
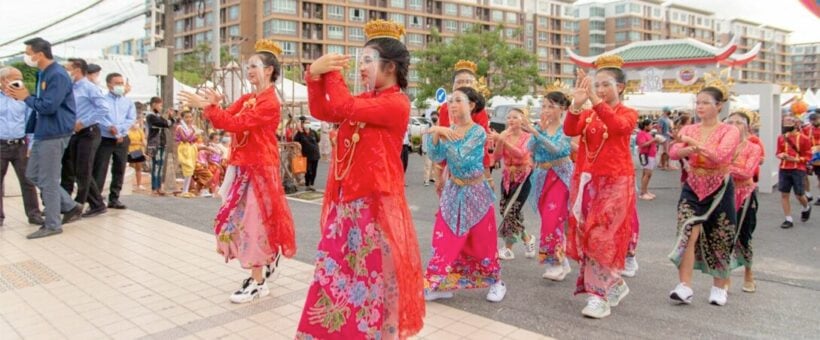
(546, 148)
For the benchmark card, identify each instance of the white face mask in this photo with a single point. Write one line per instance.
(119, 90)
(29, 61)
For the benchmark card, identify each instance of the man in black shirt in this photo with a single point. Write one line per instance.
(309, 140)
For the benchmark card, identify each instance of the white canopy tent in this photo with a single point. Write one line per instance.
(143, 85)
(657, 101)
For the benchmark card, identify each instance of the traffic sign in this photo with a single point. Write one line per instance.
(441, 95)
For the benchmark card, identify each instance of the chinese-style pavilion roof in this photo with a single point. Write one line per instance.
(659, 53)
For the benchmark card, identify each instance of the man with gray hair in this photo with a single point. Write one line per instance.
(14, 145)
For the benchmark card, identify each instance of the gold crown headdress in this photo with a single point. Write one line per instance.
(719, 80)
(557, 86)
(609, 61)
(482, 88)
(754, 117)
(383, 29)
(267, 45)
(466, 65)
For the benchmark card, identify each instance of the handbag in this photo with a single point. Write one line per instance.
(136, 156)
(298, 164)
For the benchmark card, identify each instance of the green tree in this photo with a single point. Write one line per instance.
(29, 75)
(194, 67)
(510, 71)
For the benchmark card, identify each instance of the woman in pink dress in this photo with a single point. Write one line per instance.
(707, 223)
(511, 148)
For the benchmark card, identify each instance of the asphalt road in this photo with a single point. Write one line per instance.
(786, 305)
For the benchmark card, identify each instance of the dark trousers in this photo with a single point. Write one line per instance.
(78, 162)
(405, 154)
(310, 174)
(157, 161)
(15, 154)
(116, 154)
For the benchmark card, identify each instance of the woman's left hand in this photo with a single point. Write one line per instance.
(593, 97)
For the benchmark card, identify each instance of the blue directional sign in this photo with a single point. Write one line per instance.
(441, 95)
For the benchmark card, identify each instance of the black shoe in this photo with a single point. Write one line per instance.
(787, 224)
(817, 203)
(116, 205)
(44, 232)
(804, 215)
(36, 220)
(95, 212)
(809, 198)
(73, 214)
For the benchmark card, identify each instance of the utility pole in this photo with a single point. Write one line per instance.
(169, 42)
(215, 46)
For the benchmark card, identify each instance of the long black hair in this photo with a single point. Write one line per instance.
(392, 51)
(559, 98)
(474, 97)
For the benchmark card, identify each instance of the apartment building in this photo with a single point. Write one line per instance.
(605, 26)
(688, 22)
(550, 26)
(772, 63)
(132, 47)
(805, 65)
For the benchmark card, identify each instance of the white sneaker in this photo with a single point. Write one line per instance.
(556, 272)
(271, 272)
(718, 296)
(630, 267)
(596, 308)
(497, 292)
(682, 294)
(206, 194)
(435, 295)
(531, 251)
(250, 290)
(617, 294)
(505, 253)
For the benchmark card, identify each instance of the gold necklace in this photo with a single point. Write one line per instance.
(351, 150)
(594, 156)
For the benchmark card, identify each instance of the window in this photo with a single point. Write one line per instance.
(233, 13)
(335, 32)
(178, 43)
(529, 29)
(620, 36)
(335, 49)
(510, 33)
(597, 25)
(621, 22)
(542, 67)
(542, 52)
(275, 26)
(335, 12)
(415, 39)
(596, 38)
(467, 11)
(413, 75)
(466, 26)
(498, 16)
(597, 12)
(620, 9)
(398, 18)
(596, 50)
(512, 17)
(397, 3)
(700, 21)
(450, 25)
(415, 21)
(451, 9)
(180, 26)
(288, 48)
(355, 33)
(675, 16)
(635, 8)
(656, 12)
(357, 14)
(415, 4)
(542, 36)
(529, 44)
(233, 31)
(542, 21)
(280, 6)
(512, 3)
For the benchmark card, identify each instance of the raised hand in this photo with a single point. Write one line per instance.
(212, 96)
(593, 96)
(193, 100)
(580, 94)
(329, 63)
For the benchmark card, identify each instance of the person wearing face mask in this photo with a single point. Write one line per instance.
(92, 112)
(14, 144)
(52, 124)
(114, 145)
(707, 217)
(812, 130)
(464, 253)
(158, 126)
(794, 152)
(367, 282)
(602, 195)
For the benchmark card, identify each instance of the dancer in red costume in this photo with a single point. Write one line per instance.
(367, 283)
(254, 224)
(602, 195)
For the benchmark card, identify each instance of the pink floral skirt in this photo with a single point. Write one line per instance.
(354, 294)
(553, 208)
(469, 261)
(243, 237)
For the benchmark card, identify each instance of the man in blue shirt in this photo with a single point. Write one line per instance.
(114, 144)
(92, 112)
(13, 145)
(52, 124)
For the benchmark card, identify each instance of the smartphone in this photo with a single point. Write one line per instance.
(17, 84)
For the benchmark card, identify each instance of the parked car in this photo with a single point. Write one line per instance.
(417, 125)
(498, 118)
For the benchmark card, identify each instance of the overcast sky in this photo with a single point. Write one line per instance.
(19, 17)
